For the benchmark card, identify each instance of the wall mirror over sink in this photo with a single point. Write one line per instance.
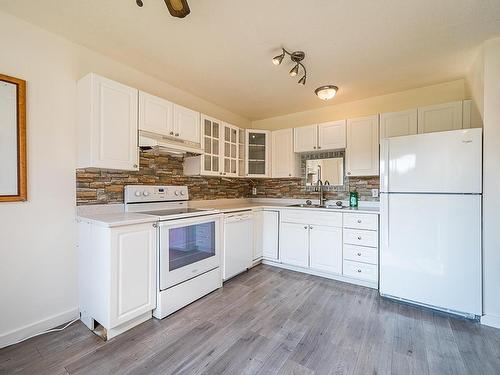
(329, 170)
(12, 139)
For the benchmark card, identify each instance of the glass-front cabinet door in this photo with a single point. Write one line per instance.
(211, 164)
(230, 155)
(241, 151)
(257, 155)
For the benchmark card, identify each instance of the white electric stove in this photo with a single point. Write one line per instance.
(188, 244)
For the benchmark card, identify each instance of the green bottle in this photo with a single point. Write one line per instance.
(353, 199)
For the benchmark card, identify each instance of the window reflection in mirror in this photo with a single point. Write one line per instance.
(331, 170)
(12, 139)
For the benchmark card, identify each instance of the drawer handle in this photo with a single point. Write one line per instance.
(359, 237)
(305, 227)
(359, 221)
(359, 271)
(359, 254)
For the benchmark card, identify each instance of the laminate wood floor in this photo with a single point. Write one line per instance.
(273, 321)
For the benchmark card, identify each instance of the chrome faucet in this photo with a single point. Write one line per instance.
(322, 198)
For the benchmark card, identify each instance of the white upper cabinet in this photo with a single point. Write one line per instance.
(107, 124)
(156, 115)
(230, 151)
(395, 124)
(159, 116)
(305, 138)
(285, 162)
(362, 150)
(440, 117)
(331, 135)
(325, 136)
(186, 124)
(221, 157)
(257, 153)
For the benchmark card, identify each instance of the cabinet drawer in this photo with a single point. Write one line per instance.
(313, 217)
(361, 221)
(361, 254)
(361, 237)
(362, 271)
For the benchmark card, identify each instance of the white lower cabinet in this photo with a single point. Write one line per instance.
(294, 247)
(117, 276)
(325, 248)
(342, 246)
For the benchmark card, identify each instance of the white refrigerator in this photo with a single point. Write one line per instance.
(430, 237)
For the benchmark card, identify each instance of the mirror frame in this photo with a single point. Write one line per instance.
(21, 141)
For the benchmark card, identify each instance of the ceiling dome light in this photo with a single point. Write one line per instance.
(326, 92)
(278, 59)
(294, 71)
(302, 81)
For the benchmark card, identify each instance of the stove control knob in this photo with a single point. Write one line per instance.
(145, 193)
(183, 192)
(138, 193)
(176, 192)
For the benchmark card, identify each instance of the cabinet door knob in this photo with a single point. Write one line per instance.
(305, 226)
(289, 175)
(314, 147)
(359, 254)
(359, 237)
(171, 133)
(155, 225)
(176, 134)
(349, 173)
(359, 221)
(310, 227)
(319, 147)
(135, 165)
(359, 270)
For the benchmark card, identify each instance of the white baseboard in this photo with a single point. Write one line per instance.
(491, 320)
(18, 334)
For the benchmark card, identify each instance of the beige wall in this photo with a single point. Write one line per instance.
(491, 184)
(38, 267)
(474, 87)
(441, 93)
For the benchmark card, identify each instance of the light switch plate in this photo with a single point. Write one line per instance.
(375, 193)
(254, 191)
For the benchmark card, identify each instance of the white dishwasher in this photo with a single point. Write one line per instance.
(238, 243)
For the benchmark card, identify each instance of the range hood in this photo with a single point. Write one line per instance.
(167, 144)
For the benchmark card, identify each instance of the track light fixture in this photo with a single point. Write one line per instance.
(297, 58)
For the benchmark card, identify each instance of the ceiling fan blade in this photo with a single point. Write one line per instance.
(178, 8)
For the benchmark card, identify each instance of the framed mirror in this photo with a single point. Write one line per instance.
(12, 139)
(331, 170)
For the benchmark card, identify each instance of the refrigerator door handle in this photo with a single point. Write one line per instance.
(385, 218)
(384, 165)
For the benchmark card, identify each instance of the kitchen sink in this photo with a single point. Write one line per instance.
(330, 207)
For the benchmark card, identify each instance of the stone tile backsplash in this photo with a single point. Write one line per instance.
(100, 186)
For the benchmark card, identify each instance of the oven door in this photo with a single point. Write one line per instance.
(188, 248)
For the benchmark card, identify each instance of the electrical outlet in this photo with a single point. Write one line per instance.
(254, 191)
(375, 193)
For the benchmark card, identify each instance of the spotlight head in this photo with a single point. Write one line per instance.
(278, 59)
(302, 81)
(294, 71)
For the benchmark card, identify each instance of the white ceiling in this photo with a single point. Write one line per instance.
(222, 51)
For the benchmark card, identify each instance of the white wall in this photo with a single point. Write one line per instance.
(491, 188)
(38, 269)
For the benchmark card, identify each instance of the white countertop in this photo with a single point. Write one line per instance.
(116, 219)
(114, 215)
